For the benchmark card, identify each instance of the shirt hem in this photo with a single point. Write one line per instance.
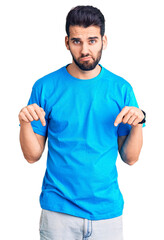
(38, 131)
(84, 216)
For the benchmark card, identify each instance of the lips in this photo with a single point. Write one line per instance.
(85, 58)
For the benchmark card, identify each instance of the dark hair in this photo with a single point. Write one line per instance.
(85, 16)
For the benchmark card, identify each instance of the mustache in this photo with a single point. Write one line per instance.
(87, 55)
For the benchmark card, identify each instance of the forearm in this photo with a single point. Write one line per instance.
(131, 148)
(29, 143)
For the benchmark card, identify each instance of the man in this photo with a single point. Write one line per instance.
(88, 114)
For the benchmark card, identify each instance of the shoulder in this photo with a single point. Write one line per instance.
(49, 80)
(115, 79)
(116, 83)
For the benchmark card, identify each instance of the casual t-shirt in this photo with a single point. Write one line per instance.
(81, 174)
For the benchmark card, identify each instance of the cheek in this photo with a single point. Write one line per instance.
(95, 49)
(75, 50)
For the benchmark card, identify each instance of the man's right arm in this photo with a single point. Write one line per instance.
(32, 144)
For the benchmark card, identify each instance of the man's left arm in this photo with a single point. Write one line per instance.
(130, 146)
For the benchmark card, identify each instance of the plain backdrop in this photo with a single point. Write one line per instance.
(32, 45)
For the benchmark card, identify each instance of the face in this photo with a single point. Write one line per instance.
(85, 45)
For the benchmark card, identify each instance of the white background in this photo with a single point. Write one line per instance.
(32, 45)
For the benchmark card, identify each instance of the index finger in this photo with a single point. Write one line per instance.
(41, 114)
(120, 116)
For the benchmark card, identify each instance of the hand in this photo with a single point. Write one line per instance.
(130, 115)
(32, 112)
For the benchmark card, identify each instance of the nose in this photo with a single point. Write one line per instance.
(84, 49)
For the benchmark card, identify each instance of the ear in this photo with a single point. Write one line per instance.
(67, 43)
(105, 42)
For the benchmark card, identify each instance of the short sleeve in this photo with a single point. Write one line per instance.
(129, 100)
(37, 97)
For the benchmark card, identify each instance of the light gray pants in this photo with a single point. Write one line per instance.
(61, 226)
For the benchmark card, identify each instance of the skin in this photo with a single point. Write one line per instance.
(130, 146)
(85, 46)
(85, 42)
(32, 144)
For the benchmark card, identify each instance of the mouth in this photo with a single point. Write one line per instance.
(85, 59)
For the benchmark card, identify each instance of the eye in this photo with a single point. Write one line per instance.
(92, 41)
(76, 42)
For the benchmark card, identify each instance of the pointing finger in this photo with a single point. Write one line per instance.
(43, 112)
(41, 115)
(120, 116)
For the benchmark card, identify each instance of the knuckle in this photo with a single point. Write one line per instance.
(29, 107)
(42, 110)
(135, 116)
(132, 111)
(142, 116)
(21, 114)
(140, 119)
(24, 110)
(34, 105)
(36, 117)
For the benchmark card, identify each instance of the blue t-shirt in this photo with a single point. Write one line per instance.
(81, 174)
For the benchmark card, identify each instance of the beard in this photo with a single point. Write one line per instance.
(86, 66)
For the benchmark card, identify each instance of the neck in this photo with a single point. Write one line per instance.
(76, 72)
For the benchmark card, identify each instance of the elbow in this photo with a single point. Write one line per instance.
(130, 158)
(131, 161)
(32, 159)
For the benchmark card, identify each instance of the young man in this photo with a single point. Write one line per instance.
(89, 115)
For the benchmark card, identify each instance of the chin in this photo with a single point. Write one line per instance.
(87, 68)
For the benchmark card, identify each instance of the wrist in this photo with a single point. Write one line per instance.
(24, 123)
(138, 126)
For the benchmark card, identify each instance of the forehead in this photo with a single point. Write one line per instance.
(82, 32)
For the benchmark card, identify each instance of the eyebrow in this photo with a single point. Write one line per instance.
(93, 38)
(75, 39)
(78, 39)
